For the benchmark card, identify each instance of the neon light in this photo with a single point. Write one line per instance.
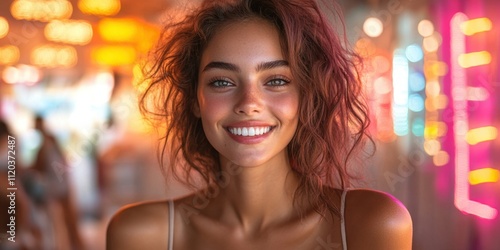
(400, 92)
(474, 26)
(484, 175)
(461, 127)
(477, 135)
(474, 59)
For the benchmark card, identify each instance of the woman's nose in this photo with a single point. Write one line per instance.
(249, 100)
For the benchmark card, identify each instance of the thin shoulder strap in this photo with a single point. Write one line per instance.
(170, 224)
(342, 220)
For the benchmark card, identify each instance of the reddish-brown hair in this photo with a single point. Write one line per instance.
(332, 117)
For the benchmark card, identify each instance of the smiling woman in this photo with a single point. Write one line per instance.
(261, 99)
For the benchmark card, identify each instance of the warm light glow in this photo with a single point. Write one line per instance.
(432, 147)
(23, 74)
(441, 158)
(119, 30)
(432, 89)
(474, 26)
(9, 55)
(365, 48)
(381, 64)
(11, 75)
(476, 208)
(477, 135)
(107, 55)
(52, 56)
(41, 10)
(4, 27)
(477, 94)
(474, 59)
(435, 68)
(76, 32)
(484, 175)
(382, 86)
(99, 7)
(373, 27)
(430, 44)
(425, 28)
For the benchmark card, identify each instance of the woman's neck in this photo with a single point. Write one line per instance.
(257, 197)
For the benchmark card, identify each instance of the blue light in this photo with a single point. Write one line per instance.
(414, 53)
(418, 127)
(416, 103)
(417, 82)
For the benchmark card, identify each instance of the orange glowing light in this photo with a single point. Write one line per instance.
(425, 28)
(432, 147)
(441, 158)
(4, 27)
(10, 55)
(119, 29)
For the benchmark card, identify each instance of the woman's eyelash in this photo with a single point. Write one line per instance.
(220, 83)
(278, 82)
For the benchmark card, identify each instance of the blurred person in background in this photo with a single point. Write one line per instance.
(27, 232)
(262, 100)
(51, 172)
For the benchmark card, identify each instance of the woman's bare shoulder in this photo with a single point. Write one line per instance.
(379, 219)
(138, 226)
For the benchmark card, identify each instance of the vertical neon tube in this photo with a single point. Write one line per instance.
(461, 125)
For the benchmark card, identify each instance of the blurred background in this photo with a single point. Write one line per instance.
(68, 95)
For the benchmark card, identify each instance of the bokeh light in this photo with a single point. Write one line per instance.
(373, 27)
(425, 28)
(4, 27)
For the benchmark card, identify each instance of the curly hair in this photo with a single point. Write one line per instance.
(333, 118)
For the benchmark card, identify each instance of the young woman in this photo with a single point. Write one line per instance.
(260, 99)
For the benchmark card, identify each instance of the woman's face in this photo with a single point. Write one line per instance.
(247, 99)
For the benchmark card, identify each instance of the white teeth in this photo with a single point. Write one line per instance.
(250, 131)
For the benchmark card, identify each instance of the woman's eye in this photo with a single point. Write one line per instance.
(278, 82)
(221, 83)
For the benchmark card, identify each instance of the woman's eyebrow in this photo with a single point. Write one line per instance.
(271, 65)
(233, 67)
(221, 65)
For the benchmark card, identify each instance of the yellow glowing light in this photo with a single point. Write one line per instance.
(474, 59)
(9, 55)
(441, 158)
(483, 175)
(100, 7)
(52, 56)
(107, 55)
(474, 26)
(119, 29)
(69, 31)
(434, 129)
(373, 27)
(425, 28)
(477, 94)
(477, 135)
(4, 27)
(432, 147)
(41, 10)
